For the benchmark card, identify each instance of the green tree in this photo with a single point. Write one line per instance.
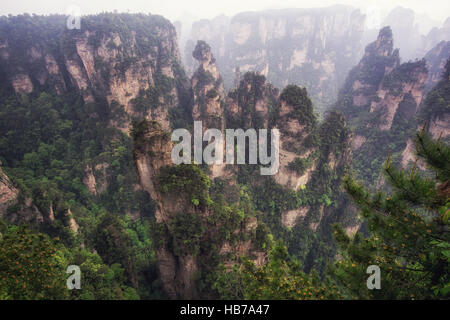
(409, 236)
(29, 266)
(280, 278)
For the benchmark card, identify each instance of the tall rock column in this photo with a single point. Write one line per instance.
(209, 96)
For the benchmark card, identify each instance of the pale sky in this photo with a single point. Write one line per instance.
(196, 9)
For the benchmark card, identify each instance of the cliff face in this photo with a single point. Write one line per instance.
(8, 193)
(313, 48)
(436, 59)
(100, 61)
(208, 89)
(364, 80)
(435, 110)
(400, 94)
(381, 87)
(208, 97)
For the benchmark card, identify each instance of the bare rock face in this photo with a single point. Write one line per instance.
(10, 207)
(96, 177)
(8, 193)
(177, 269)
(210, 31)
(408, 154)
(72, 223)
(290, 218)
(152, 152)
(202, 53)
(135, 69)
(435, 111)
(357, 142)
(138, 75)
(209, 97)
(404, 84)
(208, 89)
(22, 83)
(89, 180)
(105, 70)
(379, 84)
(403, 24)
(436, 59)
(415, 34)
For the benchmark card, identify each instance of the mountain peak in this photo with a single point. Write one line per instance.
(383, 45)
(202, 52)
